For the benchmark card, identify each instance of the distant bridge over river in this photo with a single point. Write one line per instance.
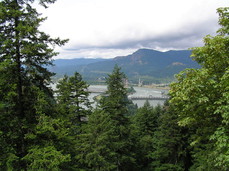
(148, 98)
(133, 96)
(97, 90)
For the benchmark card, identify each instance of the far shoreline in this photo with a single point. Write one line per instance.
(157, 87)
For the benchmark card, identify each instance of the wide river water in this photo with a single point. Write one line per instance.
(140, 92)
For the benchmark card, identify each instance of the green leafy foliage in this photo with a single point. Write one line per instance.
(200, 97)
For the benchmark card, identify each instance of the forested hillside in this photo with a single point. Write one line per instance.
(69, 66)
(40, 131)
(150, 66)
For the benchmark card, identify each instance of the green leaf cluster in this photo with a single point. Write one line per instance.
(200, 97)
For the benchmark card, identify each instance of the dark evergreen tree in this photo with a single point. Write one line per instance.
(115, 104)
(144, 124)
(24, 53)
(72, 98)
(49, 142)
(95, 151)
(171, 150)
(109, 129)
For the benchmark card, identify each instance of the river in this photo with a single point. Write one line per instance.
(140, 92)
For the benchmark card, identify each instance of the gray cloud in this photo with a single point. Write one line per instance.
(182, 38)
(109, 28)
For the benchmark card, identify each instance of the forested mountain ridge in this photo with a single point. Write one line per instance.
(68, 66)
(149, 65)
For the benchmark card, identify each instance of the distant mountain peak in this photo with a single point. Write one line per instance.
(147, 50)
(148, 64)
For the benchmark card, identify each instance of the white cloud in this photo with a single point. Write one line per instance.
(94, 53)
(93, 25)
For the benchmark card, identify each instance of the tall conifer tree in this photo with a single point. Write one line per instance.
(171, 150)
(105, 144)
(72, 99)
(24, 53)
(115, 104)
(145, 122)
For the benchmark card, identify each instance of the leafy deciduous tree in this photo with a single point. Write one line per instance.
(201, 99)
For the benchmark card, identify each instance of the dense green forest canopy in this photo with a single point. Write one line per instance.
(40, 131)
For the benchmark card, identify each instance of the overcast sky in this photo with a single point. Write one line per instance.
(110, 28)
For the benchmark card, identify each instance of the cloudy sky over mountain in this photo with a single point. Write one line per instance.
(109, 28)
